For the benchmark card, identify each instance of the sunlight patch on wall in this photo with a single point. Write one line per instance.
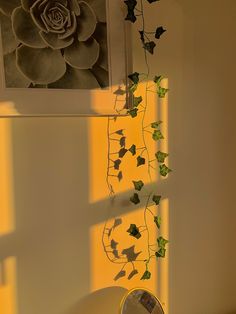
(98, 149)
(8, 299)
(7, 223)
(103, 271)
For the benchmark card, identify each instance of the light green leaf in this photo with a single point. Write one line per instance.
(138, 185)
(155, 125)
(146, 275)
(137, 101)
(160, 156)
(161, 253)
(162, 242)
(133, 88)
(161, 91)
(157, 135)
(164, 170)
(157, 220)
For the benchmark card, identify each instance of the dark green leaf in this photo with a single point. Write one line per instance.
(146, 275)
(150, 1)
(142, 36)
(122, 141)
(134, 231)
(135, 199)
(133, 112)
(162, 242)
(157, 135)
(158, 79)
(161, 91)
(156, 199)
(134, 77)
(117, 164)
(149, 46)
(160, 156)
(131, 4)
(120, 132)
(138, 185)
(131, 16)
(157, 220)
(137, 101)
(159, 31)
(161, 253)
(122, 152)
(140, 161)
(133, 149)
(156, 124)
(164, 170)
(120, 176)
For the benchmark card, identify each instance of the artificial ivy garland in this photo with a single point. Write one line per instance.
(135, 10)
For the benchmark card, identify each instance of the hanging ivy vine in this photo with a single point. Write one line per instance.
(141, 155)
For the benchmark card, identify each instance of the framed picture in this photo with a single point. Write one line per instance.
(63, 57)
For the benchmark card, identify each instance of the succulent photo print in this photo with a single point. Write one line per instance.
(59, 44)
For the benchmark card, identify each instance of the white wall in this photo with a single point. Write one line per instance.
(51, 176)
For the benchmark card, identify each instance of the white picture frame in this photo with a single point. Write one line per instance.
(37, 102)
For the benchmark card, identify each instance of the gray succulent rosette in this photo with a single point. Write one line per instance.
(54, 43)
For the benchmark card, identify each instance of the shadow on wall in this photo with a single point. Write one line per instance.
(102, 301)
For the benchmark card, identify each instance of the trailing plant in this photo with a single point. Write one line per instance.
(141, 155)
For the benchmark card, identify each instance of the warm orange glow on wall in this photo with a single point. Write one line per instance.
(103, 271)
(8, 303)
(6, 186)
(98, 149)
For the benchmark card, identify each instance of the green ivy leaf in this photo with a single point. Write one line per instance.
(135, 199)
(157, 135)
(157, 220)
(158, 79)
(161, 253)
(156, 199)
(159, 31)
(140, 161)
(162, 242)
(117, 163)
(149, 46)
(122, 141)
(122, 152)
(134, 77)
(155, 125)
(162, 92)
(133, 112)
(120, 176)
(160, 156)
(146, 275)
(131, 4)
(137, 101)
(138, 185)
(133, 149)
(134, 231)
(151, 1)
(164, 170)
(133, 88)
(120, 132)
